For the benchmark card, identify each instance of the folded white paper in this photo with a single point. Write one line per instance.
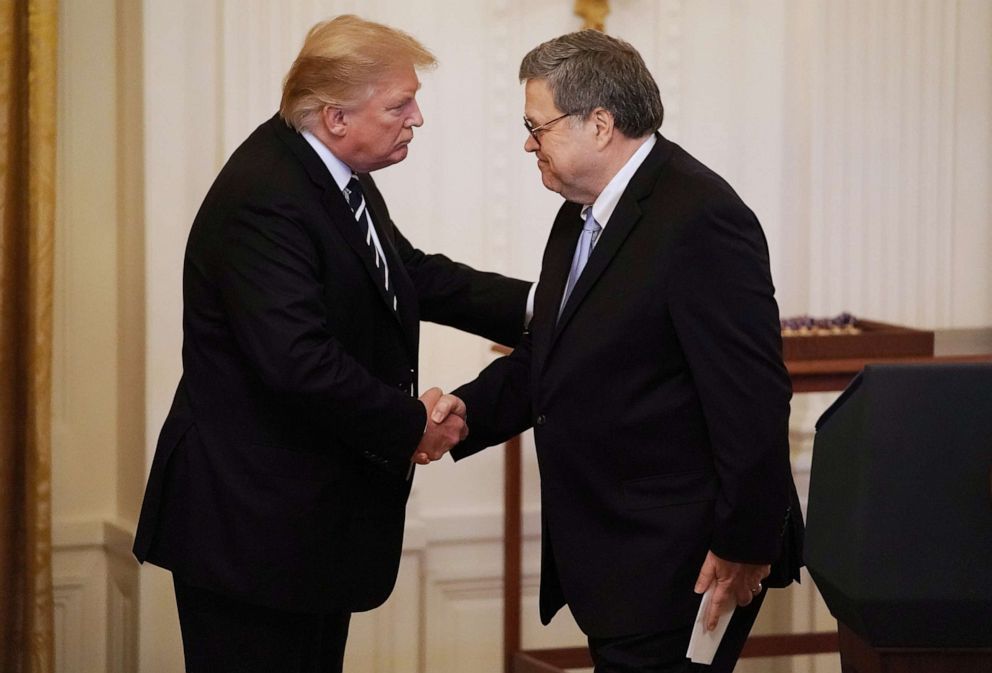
(703, 643)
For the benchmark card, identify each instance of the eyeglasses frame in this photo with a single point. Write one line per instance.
(533, 130)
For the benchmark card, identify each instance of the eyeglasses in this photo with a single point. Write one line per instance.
(535, 130)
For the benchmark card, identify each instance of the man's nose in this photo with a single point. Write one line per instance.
(416, 118)
(531, 144)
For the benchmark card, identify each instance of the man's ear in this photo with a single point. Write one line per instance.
(334, 120)
(603, 121)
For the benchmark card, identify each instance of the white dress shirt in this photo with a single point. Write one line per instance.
(342, 176)
(606, 202)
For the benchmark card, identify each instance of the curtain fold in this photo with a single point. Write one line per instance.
(27, 218)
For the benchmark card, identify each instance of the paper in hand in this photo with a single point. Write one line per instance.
(703, 643)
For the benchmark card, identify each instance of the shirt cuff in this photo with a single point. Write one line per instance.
(530, 305)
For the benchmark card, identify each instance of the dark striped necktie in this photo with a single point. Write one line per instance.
(356, 199)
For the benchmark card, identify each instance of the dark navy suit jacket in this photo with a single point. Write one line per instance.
(280, 473)
(659, 400)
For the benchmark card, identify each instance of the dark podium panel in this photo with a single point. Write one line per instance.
(899, 522)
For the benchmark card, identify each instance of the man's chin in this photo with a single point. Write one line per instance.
(550, 183)
(398, 155)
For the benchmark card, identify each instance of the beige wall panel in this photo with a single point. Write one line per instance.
(84, 409)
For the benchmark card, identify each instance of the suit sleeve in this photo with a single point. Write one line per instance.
(498, 401)
(268, 275)
(487, 304)
(723, 307)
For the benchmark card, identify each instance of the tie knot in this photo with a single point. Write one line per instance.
(355, 194)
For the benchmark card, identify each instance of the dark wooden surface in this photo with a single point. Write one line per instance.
(564, 658)
(812, 376)
(511, 553)
(552, 660)
(875, 339)
(789, 644)
(857, 656)
(950, 346)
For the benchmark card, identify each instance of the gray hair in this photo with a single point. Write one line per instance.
(588, 69)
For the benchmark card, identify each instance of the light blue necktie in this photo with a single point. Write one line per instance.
(587, 241)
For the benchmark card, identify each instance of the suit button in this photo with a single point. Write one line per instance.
(541, 420)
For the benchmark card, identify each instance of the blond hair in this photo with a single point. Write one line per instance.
(339, 64)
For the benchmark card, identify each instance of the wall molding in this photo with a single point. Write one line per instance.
(669, 62)
(498, 131)
(95, 581)
(114, 535)
(68, 601)
(444, 611)
(884, 106)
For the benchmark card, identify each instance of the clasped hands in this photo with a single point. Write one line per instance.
(735, 583)
(445, 426)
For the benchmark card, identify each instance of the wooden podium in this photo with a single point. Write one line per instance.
(809, 374)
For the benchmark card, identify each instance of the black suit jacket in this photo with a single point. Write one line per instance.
(280, 472)
(659, 400)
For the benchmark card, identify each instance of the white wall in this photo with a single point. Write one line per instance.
(98, 442)
(858, 130)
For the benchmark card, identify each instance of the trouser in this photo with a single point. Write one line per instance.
(664, 652)
(222, 634)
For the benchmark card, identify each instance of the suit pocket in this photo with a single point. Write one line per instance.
(665, 490)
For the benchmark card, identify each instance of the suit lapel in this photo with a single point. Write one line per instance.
(623, 220)
(560, 255)
(554, 274)
(626, 215)
(344, 220)
(340, 214)
(408, 312)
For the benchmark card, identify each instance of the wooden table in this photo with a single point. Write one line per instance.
(961, 345)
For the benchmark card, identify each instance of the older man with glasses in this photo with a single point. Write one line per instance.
(652, 374)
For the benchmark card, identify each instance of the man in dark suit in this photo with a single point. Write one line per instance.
(652, 374)
(278, 488)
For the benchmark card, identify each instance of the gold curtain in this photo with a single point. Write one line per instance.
(27, 207)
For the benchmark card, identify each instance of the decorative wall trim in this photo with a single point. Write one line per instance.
(115, 536)
(69, 634)
(122, 616)
(882, 122)
(498, 223)
(669, 62)
(478, 526)
(95, 585)
(483, 587)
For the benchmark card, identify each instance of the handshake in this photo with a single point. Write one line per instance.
(446, 426)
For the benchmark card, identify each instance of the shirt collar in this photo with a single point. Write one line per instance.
(339, 170)
(606, 202)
